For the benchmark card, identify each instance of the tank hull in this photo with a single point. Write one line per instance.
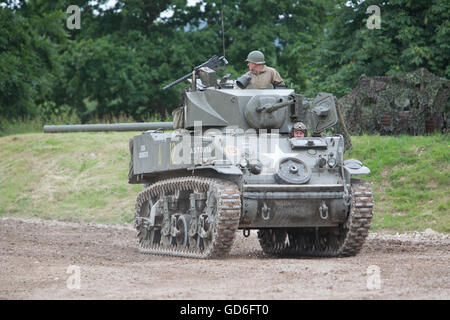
(244, 169)
(271, 208)
(267, 202)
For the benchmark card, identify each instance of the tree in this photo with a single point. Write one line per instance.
(28, 60)
(413, 34)
(123, 55)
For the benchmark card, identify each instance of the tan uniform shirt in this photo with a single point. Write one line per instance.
(267, 78)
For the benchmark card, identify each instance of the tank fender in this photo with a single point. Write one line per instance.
(228, 170)
(355, 167)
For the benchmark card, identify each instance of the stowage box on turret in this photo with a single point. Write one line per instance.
(234, 163)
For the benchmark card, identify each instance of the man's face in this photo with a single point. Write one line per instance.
(299, 134)
(254, 67)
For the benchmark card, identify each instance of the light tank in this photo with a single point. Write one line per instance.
(232, 163)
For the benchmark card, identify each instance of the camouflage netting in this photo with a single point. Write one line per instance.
(413, 103)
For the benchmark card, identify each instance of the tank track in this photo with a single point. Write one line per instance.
(228, 206)
(348, 241)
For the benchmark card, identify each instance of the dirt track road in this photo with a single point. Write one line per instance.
(42, 260)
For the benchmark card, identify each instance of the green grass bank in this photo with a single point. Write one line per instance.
(83, 177)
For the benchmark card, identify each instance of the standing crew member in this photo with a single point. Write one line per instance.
(262, 76)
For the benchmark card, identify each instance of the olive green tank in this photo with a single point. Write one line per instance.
(245, 160)
(234, 161)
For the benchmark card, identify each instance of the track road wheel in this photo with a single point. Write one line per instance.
(183, 224)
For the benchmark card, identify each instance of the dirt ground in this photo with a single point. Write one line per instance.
(64, 260)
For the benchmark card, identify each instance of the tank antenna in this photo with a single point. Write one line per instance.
(223, 32)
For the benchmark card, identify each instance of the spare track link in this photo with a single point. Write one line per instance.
(349, 243)
(228, 207)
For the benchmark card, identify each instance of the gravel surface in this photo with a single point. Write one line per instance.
(65, 260)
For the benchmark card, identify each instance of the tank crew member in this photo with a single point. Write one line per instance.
(262, 76)
(299, 130)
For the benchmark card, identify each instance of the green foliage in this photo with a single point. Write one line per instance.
(413, 34)
(28, 61)
(122, 56)
(115, 76)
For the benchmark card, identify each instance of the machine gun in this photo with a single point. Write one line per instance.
(212, 63)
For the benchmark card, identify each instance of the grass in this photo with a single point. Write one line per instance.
(83, 176)
(410, 178)
(73, 176)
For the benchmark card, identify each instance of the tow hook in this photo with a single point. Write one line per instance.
(323, 211)
(265, 212)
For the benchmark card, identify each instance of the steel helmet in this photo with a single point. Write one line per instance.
(300, 126)
(256, 57)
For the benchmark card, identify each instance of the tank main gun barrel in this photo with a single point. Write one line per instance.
(140, 126)
(275, 106)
